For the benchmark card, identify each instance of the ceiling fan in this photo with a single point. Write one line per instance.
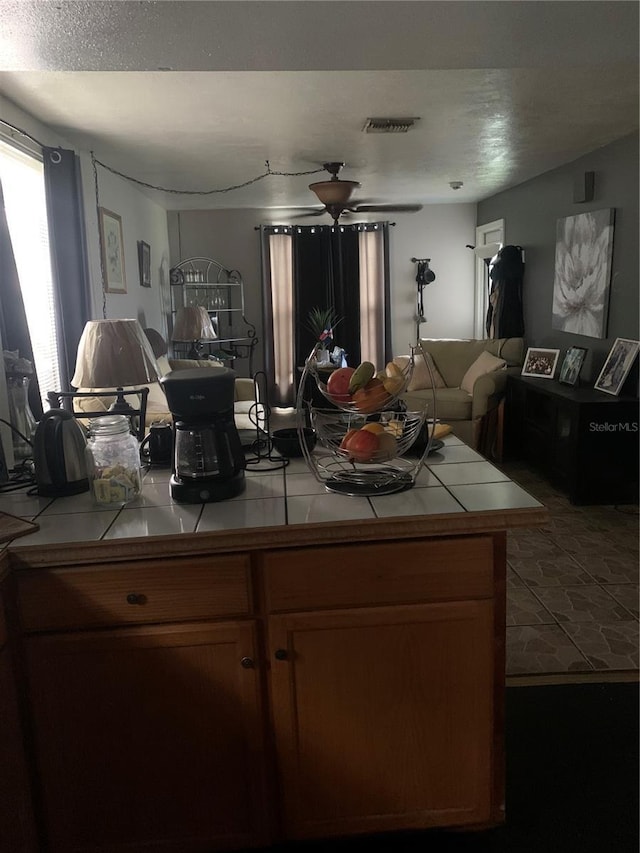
(335, 195)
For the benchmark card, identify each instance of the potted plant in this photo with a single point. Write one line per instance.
(321, 322)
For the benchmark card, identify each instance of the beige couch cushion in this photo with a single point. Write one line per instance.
(454, 357)
(452, 404)
(484, 363)
(421, 378)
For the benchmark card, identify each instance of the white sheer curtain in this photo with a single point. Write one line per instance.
(372, 302)
(281, 270)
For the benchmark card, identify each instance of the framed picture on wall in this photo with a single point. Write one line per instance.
(144, 263)
(572, 365)
(112, 249)
(540, 362)
(617, 366)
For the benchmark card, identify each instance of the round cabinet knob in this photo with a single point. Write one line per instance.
(136, 598)
(247, 663)
(281, 654)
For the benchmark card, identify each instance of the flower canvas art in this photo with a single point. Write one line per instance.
(584, 247)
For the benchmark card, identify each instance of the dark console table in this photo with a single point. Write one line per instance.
(584, 441)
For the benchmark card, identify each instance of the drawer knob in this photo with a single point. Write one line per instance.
(136, 598)
(281, 654)
(247, 663)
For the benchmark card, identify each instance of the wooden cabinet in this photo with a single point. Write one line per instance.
(383, 717)
(584, 441)
(149, 737)
(387, 716)
(202, 702)
(17, 827)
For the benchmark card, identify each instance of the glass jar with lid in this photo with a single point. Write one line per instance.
(113, 461)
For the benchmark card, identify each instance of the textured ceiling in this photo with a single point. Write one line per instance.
(504, 90)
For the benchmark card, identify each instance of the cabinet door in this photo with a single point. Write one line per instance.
(384, 717)
(17, 829)
(149, 738)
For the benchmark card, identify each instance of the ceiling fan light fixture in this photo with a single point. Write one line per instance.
(334, 191)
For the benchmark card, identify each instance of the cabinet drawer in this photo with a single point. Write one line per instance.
(159, 591)
(384, 573)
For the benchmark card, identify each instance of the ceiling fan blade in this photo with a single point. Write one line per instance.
(389, 208)
(312, 211)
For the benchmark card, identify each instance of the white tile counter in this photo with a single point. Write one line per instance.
(455, 480)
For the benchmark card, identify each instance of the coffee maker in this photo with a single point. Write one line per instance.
(208, 460)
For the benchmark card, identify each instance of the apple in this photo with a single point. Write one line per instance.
(338, 384)
(347, 436)
(372, 397)
(387, 447)
(361, 444)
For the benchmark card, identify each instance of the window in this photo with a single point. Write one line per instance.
(22, 177)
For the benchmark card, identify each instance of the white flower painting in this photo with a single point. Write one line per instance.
(584, 247)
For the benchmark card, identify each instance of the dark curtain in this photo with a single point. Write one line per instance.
(326, 273)
(13, 319)
(67, 241)
(505, 317)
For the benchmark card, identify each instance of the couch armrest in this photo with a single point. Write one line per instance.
(488, 390)
(245, 389)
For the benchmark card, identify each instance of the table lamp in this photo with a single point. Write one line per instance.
(113, 354)
(193, 324)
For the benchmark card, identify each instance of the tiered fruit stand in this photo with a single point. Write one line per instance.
(384, 471)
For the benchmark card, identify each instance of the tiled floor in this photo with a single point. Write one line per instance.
(572, 587)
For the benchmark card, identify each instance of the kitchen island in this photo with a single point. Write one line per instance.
(286, 664)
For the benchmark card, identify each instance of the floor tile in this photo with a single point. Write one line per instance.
(585, 603)
(542, 648)
(627, 595)
(154, 521)
(525, 544)
(486, 496)
(606, 570)
(553, 569)
(588, 543)
(513, 580)
(228, 515)
(523, 608)
(607, 646)
(459, 473)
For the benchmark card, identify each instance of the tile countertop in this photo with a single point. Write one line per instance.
(456, 480)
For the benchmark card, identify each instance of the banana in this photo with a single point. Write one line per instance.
(363, 373)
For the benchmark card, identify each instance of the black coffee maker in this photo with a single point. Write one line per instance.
(208, 460)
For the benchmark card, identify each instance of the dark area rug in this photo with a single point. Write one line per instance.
(571, 780)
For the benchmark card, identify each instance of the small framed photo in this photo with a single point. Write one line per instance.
(144, 263)
(540, 362)
(618, 364)
(112, 247)
(572, 365)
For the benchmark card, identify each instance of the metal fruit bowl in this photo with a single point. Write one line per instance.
(387, 402)
(332, 426)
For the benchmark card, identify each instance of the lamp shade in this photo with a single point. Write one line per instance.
(114, 354)
(193, 323)
(334, 191)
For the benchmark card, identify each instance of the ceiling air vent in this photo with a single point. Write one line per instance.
(389, 125)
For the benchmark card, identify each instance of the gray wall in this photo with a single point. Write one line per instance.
(531, 210)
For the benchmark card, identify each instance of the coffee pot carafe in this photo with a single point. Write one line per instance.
(208, 460)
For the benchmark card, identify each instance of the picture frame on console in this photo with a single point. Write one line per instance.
(617, 366)
(540, 362)
(572, 365)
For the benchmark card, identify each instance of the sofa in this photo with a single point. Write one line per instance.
(245, 408)
(470, 378)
